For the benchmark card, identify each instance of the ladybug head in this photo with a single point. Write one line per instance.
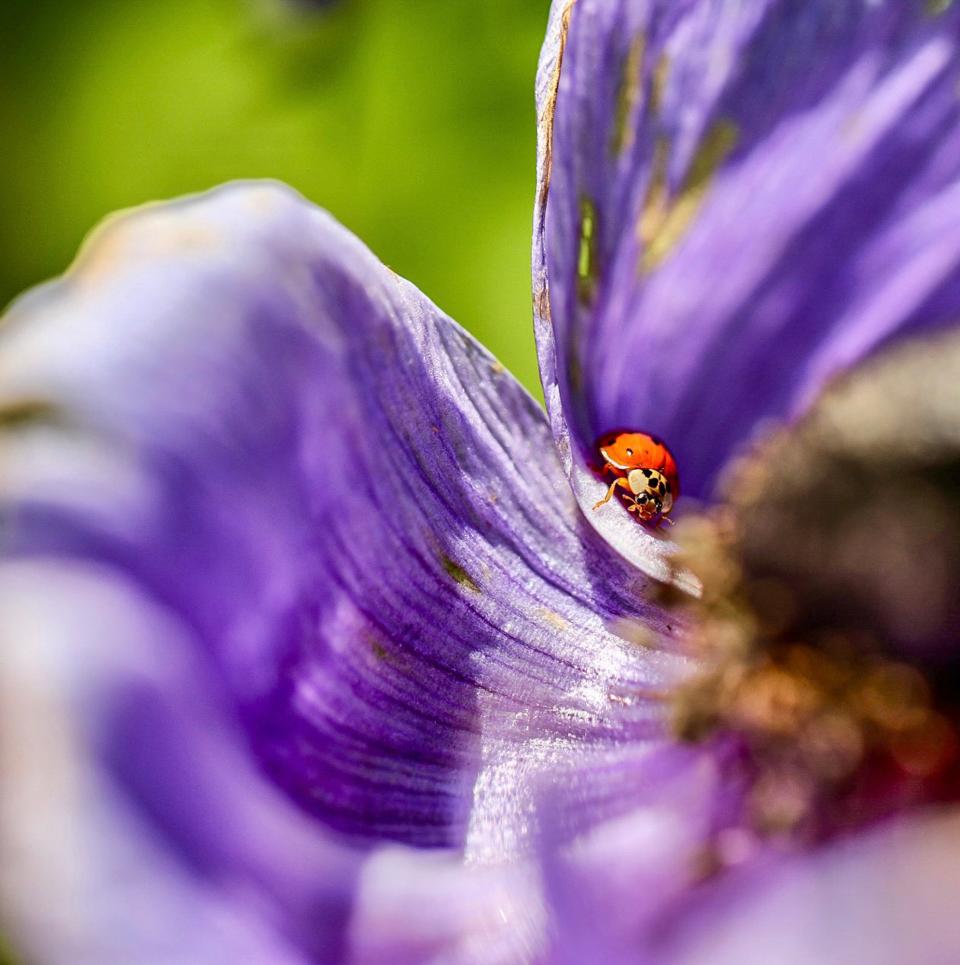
(652, 493)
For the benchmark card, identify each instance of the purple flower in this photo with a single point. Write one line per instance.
(314, 647)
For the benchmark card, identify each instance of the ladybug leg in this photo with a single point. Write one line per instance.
(606, 499)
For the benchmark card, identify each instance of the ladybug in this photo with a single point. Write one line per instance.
(644, 469)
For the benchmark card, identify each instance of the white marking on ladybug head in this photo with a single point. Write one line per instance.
(637, 481)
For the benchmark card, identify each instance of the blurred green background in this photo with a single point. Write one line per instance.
(411, 120)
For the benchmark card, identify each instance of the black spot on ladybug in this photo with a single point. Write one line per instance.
(668, 487)
(629, 452)
(663, 489)
(646, 473)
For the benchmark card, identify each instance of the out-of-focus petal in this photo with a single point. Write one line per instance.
(135, 827)
(180, 852)
(357, 513)
(416, 906)
(607, 880)
(884, 897)
(644, 886)
(737, 200)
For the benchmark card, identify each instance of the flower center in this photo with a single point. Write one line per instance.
(829, 619)
(827, 729)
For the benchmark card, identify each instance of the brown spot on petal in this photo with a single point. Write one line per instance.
(541, 301)
(633, 632)
(459, 574)
(655, 209)
(545, 122)
(553, 618)
(27, 412)
(658, 84)
(588, 268)
(628, 96)
(663, 226)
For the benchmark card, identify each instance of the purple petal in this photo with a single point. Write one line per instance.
(885, 897)
(135, 826)
(737, 200)
(181, 853)
(640, 886)
(357, 514)
(607, 880)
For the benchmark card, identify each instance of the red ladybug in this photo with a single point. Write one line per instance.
(644, 471)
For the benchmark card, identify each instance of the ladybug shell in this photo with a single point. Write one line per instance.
(623, 451)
